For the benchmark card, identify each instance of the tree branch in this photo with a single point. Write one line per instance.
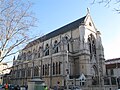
(14, 26)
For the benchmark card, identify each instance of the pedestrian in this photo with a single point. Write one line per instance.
(26, 87)
(18, 87)
(6, 86)
(50, 88)
(15, 88)
(55, 88)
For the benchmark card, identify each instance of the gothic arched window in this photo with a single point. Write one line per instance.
(29, 55)
(95, 70)
(95, 77)
(46, 68)
(92, 45)
(46, 50)
(67, 42)
(24, 56)
(55, 46)
(43, 70)
(34, 54)
(53, 68)
(57, 68)
(36, 71)
(39, 51)
(29, 72)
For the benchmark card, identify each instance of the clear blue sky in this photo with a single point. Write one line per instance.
(53, 14)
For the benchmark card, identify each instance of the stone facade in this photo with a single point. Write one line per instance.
(113, 72)
(72, 54)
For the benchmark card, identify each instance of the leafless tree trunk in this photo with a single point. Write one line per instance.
(15, 23)
(114, 3)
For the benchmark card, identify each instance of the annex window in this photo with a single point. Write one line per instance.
(111, 72)
(107, 72)
(113, 80)
(106, 81)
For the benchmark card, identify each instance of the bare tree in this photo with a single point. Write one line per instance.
(15, 23)
(114, 3)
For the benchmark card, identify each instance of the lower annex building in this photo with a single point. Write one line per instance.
(113, 72)
(70, 55)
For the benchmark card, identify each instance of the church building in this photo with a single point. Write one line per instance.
(70, 55)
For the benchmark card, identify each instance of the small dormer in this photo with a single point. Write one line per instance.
(82, 79)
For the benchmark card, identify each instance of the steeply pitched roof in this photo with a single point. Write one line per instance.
(64, 29)
(114, 59)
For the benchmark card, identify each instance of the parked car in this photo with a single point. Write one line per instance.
(17, 87)
(11, 87)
